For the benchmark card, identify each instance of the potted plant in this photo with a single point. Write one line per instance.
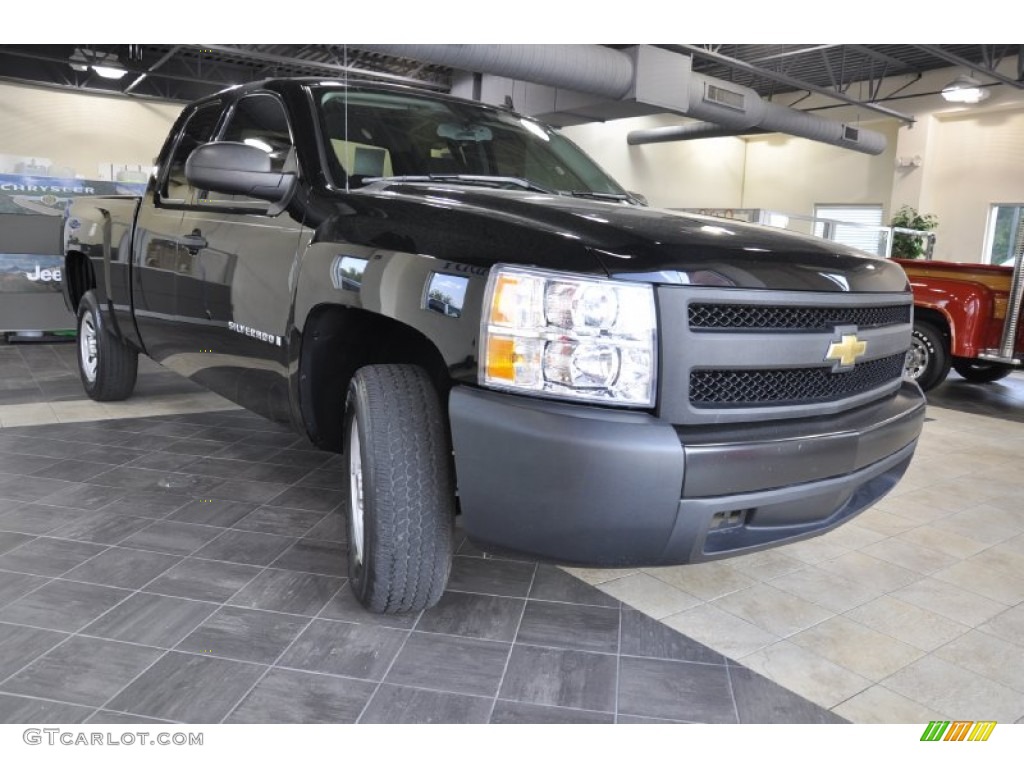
(906, 246)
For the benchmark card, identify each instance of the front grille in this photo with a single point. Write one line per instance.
(754, 317)
(751, 388)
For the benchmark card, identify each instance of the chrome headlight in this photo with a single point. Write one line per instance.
(561, 335)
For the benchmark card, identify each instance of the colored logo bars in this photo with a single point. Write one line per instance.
(958, 730)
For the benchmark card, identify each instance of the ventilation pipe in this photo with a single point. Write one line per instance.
(591, 69)
(694, 130)
(616, 74)
(739, 110)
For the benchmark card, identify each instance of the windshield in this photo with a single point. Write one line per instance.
(374, 134)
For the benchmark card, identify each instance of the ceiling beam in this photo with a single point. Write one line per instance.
(162, 75)
(163, 60)
(792, 81)
(870, 52)
(334, 69)
(953, 58)
(797, 52)
(87, 89)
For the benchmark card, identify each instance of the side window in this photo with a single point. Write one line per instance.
(198, 130)
(1005, 234)
(261, 122)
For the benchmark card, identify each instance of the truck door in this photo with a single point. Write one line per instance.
(164, 268)
(245, 265)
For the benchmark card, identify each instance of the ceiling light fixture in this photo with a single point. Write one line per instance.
(965, 90)
(111, 73)
(103, 64)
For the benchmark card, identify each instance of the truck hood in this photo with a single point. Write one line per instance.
(483, 226)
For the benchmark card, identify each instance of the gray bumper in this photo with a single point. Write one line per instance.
(591, 486)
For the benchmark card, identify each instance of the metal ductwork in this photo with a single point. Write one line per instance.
(694, 130)
(587, 68)
(731, 109)
(727, 109)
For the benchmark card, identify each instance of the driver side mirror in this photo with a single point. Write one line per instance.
(234, 168)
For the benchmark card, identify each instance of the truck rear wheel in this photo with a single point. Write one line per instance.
(981, 371)
(928, 359)
(107, 366)
(399, 489)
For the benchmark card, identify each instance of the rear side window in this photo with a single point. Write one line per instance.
(198, 130)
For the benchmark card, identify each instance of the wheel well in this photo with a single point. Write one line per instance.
(78, 276)
(336, 342)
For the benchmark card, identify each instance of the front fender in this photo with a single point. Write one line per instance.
(397, 285)
(967, 307)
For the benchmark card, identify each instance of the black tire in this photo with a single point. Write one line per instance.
(981, 371)
(107, 366)
(928, 360)
(401, 497)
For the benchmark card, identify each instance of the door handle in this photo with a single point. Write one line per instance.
(193, 243)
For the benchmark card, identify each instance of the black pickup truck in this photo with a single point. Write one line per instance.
(459, 300)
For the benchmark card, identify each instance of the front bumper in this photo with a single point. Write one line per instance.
(594, 487)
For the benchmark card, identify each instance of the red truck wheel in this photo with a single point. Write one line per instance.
(928, 359)
(981, 371)
(399, 489)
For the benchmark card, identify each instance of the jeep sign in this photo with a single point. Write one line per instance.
(45, 275)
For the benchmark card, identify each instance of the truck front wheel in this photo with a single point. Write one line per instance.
(107, 366)
(928, 360)
(399, 489)
(981, 371)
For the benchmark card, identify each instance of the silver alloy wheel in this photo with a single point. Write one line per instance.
(87, 347)
(917, 359)
(355, 501)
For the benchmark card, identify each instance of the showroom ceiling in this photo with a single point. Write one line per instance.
(185, 72)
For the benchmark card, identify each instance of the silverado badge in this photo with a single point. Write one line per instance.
(847, 350)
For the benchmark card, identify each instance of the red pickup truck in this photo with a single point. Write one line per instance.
(966, 316)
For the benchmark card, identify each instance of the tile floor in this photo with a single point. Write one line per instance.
(120, 587)
(191, 568)
(912, 612)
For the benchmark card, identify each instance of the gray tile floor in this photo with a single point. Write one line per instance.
(34, 373)
(191, 568)
(910, 613)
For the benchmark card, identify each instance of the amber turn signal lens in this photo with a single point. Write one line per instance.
(501, 358)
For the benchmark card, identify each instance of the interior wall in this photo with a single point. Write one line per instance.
(81, 131)
(977, 161)
(792, 175)
(680, 174)
(774, 172)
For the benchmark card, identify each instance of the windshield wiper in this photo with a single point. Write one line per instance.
(465, 178)
(601, 195)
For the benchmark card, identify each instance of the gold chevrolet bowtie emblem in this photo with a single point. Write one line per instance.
(846, 351)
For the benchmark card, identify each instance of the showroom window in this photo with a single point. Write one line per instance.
(198, 130)
(860, 227)
(1005, 233)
